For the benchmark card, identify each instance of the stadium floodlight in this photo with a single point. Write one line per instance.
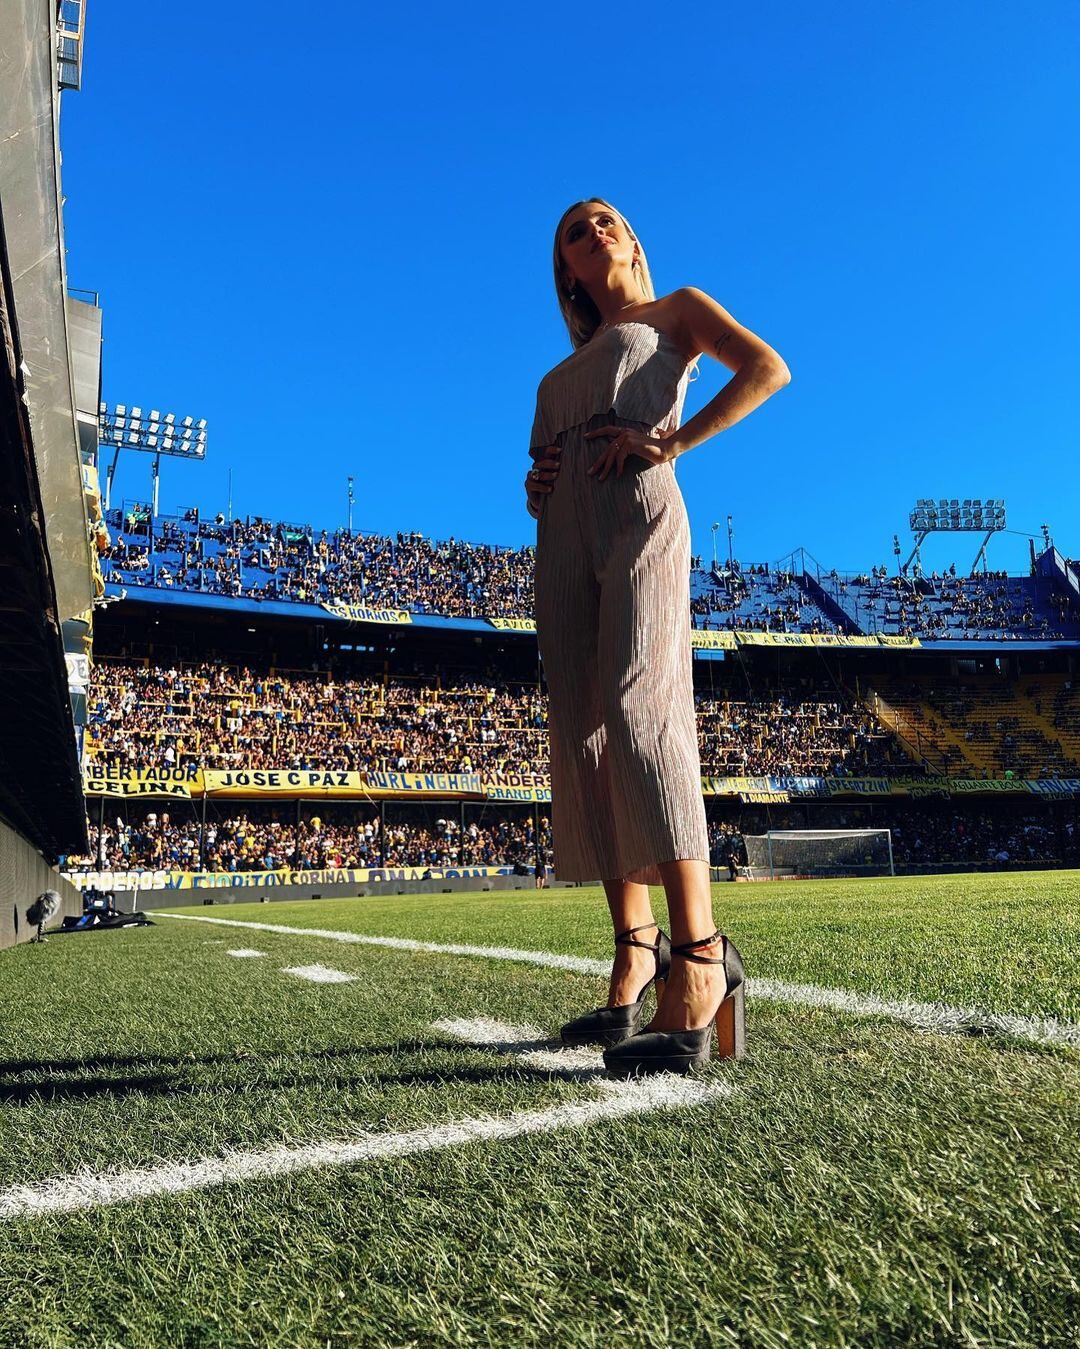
(131, 429)
(950, 515)
(124, 429)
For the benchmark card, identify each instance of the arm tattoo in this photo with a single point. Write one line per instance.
(718, 345)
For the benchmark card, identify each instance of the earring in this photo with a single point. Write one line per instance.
(573, 292)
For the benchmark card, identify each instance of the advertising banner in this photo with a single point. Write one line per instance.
(320, 783)
(707, 639)
(101, 779)
(360, 613)
(211, 880)
(517, 786)
(317, 784)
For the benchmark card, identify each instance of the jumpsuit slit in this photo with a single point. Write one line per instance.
(612, 590)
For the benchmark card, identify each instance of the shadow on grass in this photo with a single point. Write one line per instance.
(170, 1076)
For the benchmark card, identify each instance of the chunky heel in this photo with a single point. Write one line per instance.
(731, 1025)
(649, 1051)
(610, 1026)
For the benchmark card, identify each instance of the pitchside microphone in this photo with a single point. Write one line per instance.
(46, 906)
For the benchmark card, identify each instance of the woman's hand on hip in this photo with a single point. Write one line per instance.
(540, 479)
(628, 440)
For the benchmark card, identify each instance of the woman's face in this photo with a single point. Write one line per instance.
(594, 240)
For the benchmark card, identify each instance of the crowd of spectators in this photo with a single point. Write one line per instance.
(271, 836)
(756, 598)
(992, 727)
(991, 605)
(791, 731)
(220, 717)
(216, 716)
(982, 838)
(260, 559)
(263, 560)
(248, 837)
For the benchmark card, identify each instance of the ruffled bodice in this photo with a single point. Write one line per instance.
(631, 369)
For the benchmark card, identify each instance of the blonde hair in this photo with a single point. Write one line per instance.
(580, 313)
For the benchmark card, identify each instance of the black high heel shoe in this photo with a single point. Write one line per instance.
(611, 1025)
(681, 1051)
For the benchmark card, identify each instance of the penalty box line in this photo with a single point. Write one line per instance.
(935, 1017)
(610, 1100)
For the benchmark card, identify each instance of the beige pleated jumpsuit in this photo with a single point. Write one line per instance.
(613, 618)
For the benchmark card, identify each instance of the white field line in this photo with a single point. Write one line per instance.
(533, 1048)
(940, 1018)
(319, 974)
(245, 953)
(616, 1100)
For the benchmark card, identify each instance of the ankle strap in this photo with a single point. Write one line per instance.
(627, 939)
(686, 949)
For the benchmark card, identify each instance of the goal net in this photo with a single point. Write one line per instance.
(819, 852)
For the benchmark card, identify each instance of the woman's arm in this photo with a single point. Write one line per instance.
(707, 327)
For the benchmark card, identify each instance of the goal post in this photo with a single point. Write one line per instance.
(781, 853)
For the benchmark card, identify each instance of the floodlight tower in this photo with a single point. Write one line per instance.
(952, 516)
(121, 429)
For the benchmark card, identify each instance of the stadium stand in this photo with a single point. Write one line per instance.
(825, 701)
(291, 695)
(217, 716)
(988, 607)
(990, 726)
(257, 559)
(262, 837)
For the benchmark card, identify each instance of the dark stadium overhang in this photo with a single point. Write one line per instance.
(31, 199)
(246, 607)
(40, 781)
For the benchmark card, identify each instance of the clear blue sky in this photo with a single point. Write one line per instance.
(333, 241)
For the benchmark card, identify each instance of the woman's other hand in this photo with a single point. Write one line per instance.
(628, 440)
(540, 479)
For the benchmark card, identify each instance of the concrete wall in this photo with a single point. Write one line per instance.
(24, 874)
(129, 900)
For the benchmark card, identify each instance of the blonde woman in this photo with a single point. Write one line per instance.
(613, 626)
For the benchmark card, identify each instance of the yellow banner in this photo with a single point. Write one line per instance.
(517, 787)
(710, 640)
(107, 780)
(425, 784)
(820, 639)
(359, 613)
(319, 783)
(760, 788)
(290, 782)
(101, 780)
(513, 624)
(775, 638)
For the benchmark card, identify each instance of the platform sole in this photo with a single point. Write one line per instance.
(607, 1039)
(673, 1063)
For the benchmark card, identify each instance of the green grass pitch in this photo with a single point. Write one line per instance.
(865, 1183)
